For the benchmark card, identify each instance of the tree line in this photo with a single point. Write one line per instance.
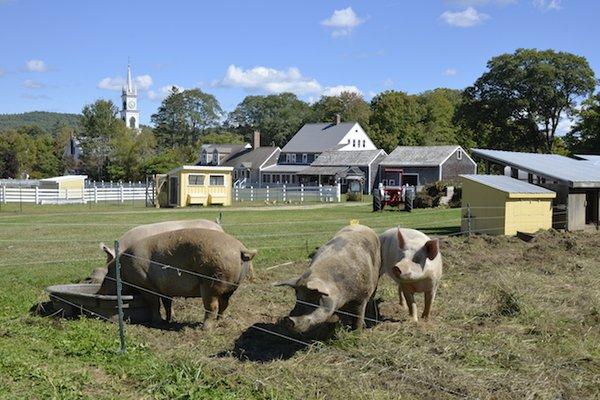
(517, 104)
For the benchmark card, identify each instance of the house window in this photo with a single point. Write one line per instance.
(364, 142)
(353, 142)
(459, 155)
(266, 178)
(196, 180)
(217, 180)
(235, 174)
(294, 158)
(304, 158)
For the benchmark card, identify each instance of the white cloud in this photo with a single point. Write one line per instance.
(36, 66)
(464, 19)
(143, 82)
(163, 92)
(31, 84)
(546, 5)
(388, 83)
(564, 126)
(450, 72)
(270, 80)
(343, 21)
(339, 89)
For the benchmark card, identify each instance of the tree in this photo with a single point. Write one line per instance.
(437, 110)
(278, 117)
(221, 137)
(519, 101)
(100, 126)
(130, 151)
(395, 120)
(584, 138)
(184, 116)
(350, 106)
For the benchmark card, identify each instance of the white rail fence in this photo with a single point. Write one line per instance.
(287, 194)
(68, 196)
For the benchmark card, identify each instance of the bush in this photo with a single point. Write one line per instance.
(456, 200)
(354, 196)
(423, 200)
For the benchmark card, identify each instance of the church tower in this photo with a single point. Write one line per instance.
(130, 113)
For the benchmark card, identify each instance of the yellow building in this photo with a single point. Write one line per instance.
(501, 205)
(75, 182)
(195, 185)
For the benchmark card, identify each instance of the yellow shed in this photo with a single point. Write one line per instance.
(197, 185)
(501, 205)
(76, 182)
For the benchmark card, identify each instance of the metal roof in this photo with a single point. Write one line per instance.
(419, 156)
(284, 168)
(316, 138)
(252, 158)
(350, 157)
(589, 157)
(573, 172)
(508, 184)
(314, 170)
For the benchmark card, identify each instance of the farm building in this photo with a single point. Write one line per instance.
(332, 167)
(575, 182)
(501, 205)
(75, 182)
(422, 165)
(195, 185)
(216, 154)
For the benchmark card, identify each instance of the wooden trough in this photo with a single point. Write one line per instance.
(81, 298)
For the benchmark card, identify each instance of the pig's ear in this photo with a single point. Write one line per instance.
(110, 254)
(248, 255)
(432, 248)
(401, 242)
(290, 282)
(319, 286)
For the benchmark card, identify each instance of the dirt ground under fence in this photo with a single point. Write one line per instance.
(511, 320)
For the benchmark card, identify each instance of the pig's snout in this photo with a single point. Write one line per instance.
(288, 323)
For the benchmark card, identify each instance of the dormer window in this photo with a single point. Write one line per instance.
(364, 143)
(304, 158)
(459, 154)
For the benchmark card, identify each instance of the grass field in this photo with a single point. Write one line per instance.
(512, 319)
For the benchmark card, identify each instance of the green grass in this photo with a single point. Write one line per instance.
(511, 319)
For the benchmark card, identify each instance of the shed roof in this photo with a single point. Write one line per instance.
(509, 185)
(589, 157)
(284, 168)
(318, 137)
(419, 156)
(568, 170)
(251, 158)
(64, 178)
(350, 158)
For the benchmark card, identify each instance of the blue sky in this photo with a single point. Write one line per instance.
(60, 55)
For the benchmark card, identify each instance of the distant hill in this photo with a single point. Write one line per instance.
(43, 119)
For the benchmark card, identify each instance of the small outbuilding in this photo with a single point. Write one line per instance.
(71, 182)
(195, 185)
(501, 205)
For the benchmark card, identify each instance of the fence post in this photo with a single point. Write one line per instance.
(251, 193)
(267, 193)
(468, 219)
(283, 194)
(37, 196)
(3, 197)
(338, 192)
(302, 193)
(320, 192)
(119, 297)
(235, 192)
(121, 199)
(95, 194)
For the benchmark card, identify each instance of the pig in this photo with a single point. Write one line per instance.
(144, 231)
(342, 276)
(222, 260)
(413, 260)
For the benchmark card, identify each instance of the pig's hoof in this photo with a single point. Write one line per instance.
(208, 325)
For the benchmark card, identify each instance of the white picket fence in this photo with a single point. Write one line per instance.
(68, 196)
(285, 194)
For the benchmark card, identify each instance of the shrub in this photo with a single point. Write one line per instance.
(354, 196)
(423, 200)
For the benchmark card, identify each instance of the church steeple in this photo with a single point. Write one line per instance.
(130, 113)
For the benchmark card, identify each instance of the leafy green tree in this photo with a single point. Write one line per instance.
(519, 101)
(18, 155)
(221, 137)
(100, 126)
(47, 163)
(437, 109)
(350, 106)
(584, 137)
(396, 120)
(161, 163)
(277, 116)
(130, 151)
(184, 116)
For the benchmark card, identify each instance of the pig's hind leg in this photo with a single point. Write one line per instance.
(360, 310)
(223, 304)
(168, 305)
(153, 303)
(211, 306)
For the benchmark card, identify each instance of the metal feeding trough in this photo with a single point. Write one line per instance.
(81, 298)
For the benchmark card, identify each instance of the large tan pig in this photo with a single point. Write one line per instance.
(342, 276)
(221, 260)
(413, 260)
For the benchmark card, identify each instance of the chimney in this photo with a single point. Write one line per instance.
(256, 139)
(338, 119)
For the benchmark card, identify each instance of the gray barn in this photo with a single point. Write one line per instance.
(422, 165)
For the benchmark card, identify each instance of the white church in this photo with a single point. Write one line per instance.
(130, 113)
